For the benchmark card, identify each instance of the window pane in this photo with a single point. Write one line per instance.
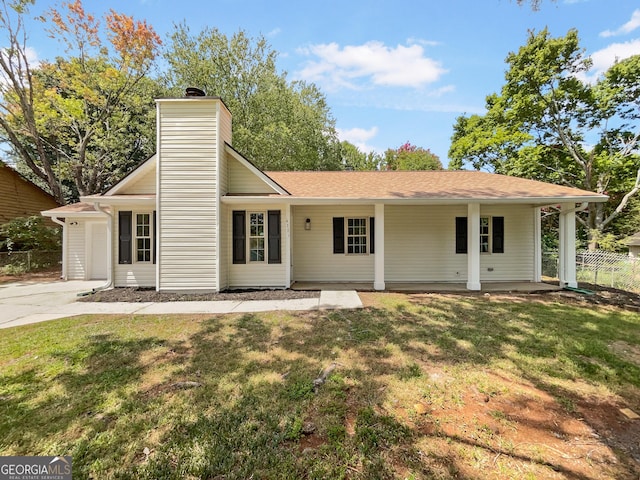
(256, 249)
(143, 237)
(357, 235)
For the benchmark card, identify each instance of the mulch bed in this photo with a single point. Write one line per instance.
(142, 295)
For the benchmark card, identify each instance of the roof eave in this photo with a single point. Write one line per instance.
(120, 199)
(293, 200)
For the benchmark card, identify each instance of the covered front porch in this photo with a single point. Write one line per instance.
(421, 246)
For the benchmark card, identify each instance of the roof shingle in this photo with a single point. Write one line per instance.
(420, 185)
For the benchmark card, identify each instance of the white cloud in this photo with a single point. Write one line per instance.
(32, 59)
(628, 27)
(605, 58)
(274, 32)
(352, 66)
(358, 137)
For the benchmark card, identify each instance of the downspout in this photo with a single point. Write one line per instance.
(64, 245)
(109, 282)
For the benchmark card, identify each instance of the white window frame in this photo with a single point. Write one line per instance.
(486, 234)
(363, 236)
(148, 237)
(262, 237)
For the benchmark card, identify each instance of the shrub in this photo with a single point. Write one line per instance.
(28, 233)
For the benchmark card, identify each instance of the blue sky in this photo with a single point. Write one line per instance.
(394, 71)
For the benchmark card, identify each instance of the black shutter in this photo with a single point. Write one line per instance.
(372, 235)
(155, 241)
(498, 234)
(461, 234)
(124, 237)
(239, 237)
(338, 234)
(273, 219)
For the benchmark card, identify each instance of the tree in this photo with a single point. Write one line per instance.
(279, 125)
(354, 159)
(535, 4)
(549, 124)
(28, 233)
(84, 118)
(410, 157)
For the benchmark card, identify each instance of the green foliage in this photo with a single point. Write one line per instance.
(549, 124)
(28, 233)
(278, 124)
(411, 157)
(82, 119)
(354, 159)
(97, 139)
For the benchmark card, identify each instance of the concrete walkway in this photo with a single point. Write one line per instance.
(25, 303)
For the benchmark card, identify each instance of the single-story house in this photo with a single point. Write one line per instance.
(21, 198)
(198, 216)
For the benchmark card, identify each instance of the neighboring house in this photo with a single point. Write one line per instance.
(633, 242)
(198, 216)
(21, 198)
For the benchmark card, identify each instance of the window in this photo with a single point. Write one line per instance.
(491, 235)
(143, 237)
(264, 242)
(356, 235)
(256, 237)
(485, 237)
(353, 235)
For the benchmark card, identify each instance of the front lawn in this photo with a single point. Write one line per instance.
(417, 387)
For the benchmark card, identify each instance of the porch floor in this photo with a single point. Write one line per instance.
(520, 287)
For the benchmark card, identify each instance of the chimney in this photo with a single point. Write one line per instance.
(194, 92)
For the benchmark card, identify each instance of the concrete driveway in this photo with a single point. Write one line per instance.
(29, 302)
(24, 303)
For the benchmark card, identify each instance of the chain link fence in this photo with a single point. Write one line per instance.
(30, 261)
(600, 268)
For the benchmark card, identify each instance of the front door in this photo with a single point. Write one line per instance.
(97, 251)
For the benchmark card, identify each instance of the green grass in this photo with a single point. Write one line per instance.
(103, 389)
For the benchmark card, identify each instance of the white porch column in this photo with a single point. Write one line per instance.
(473, 246)
(378, 261)
(567, 246)
(286, 247)
(537, 245)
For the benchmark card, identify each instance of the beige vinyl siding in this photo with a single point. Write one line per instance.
(76, 261)
(224, 122)
(313, 257)
(516, 263)
(225, 125)
(243, 180)
(258, 274)
(136, 274)
(144, 185)
(187, 216)
(420, 244)
(225, 246)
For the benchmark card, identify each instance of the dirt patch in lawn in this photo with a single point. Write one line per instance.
(519, 427)
(150, 295)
